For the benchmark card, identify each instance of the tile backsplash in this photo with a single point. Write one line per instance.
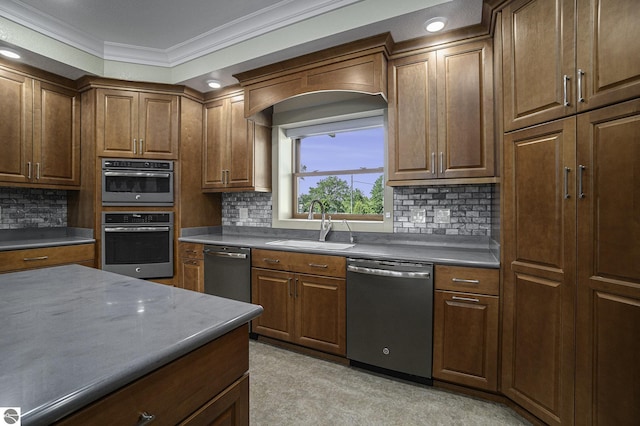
(32, 208)
(470, 209)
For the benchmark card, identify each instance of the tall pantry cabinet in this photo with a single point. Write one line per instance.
(571, 314)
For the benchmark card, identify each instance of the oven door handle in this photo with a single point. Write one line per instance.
(387, 273)
(137, 174)
(137, 229)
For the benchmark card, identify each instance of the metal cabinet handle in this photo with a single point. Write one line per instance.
(135, 146)
(317, 265)
(461, 280)
(581, 170)
(38, 171)
(289, 287)
(227, 177)
(295, 288)
(466, 299)
(271, 260)
(145, 418)
(441, 162)
(565, 85)
(31, 259)
(567, 170)
(433, 163)
(141, 146)
(580, 74)
(28, 169)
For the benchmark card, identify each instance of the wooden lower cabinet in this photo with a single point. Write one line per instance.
(17, 260)
(301, 308)
(208, 386)
(191, 267)
(465, 336)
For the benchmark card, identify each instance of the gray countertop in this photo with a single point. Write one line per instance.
(20, 239)
(72, 334)
(438, 253)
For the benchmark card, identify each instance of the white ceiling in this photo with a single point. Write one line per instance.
(189, 41)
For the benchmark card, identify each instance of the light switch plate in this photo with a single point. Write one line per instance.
(244, 213)
(418, 215)
(442, 216)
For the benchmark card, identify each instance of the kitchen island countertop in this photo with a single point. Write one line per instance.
(72, 334)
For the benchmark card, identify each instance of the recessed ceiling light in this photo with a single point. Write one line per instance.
(434, 25)
(9, 53)
(214, 84)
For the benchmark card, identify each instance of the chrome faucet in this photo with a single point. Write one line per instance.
(325, 227)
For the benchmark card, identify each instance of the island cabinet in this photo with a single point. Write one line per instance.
(303, 296)
(18, 260)
(465, 332)
(236, 150)
(136, 124)
(586, 57)
(441, 115)
(40, 131)
(571, 275)
(209, 386)
(191, 267)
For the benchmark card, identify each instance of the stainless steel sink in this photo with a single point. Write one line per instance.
(308, 244)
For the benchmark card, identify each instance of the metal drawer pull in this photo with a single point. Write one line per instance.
(441, 162)
(466, 299)
(145, 418)
(580, 97)
(135, 146)
(566, 79)
(461, 280)
(141, 146)
(581, 169)
(30, 259)
(433, 163)
(317, 265)
(271, 260)
(38, 171)
(29, 169)
(567, 170)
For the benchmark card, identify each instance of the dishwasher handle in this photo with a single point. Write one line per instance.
(225, 254)
(387, 272)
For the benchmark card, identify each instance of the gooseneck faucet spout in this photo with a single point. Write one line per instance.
(325, 227)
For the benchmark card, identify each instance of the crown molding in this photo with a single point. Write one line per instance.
(279, 15)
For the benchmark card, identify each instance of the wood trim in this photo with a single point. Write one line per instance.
(92, 82)
(302, 350)
(458, 181)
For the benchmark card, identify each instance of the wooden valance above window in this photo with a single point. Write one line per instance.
(360, 66)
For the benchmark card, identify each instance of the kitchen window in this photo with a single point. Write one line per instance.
(341, 164)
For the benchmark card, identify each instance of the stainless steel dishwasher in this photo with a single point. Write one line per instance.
(227, 272)
(390, 316)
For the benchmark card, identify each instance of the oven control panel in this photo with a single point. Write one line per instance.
(138, 217)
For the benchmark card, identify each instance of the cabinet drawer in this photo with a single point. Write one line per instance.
(316, 264)
(177, 390)
(471, 280)
(15, 260)
(191, 250)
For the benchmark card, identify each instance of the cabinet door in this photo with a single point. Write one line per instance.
(158, 126)
(230, 407)
(465, 111)
(56, 135)
(608, 37)
(15, 127)
(538, 52)
(539, 272)
(215, 144)
(413, 127)
(117, 123)
(465, 339)
(321, 313)
(274, 291)
(240, 148)
(608, 306)
(191, 274)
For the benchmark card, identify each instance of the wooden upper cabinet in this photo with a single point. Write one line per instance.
(608, 52)
(40, 132)
(559, 60)
(16, 126)
(137, 124)
(441, 115)
(56, 135)
(237, 151)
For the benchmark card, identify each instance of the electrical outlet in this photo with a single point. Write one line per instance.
(244, 213)
(442, 216)
(418, 215)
